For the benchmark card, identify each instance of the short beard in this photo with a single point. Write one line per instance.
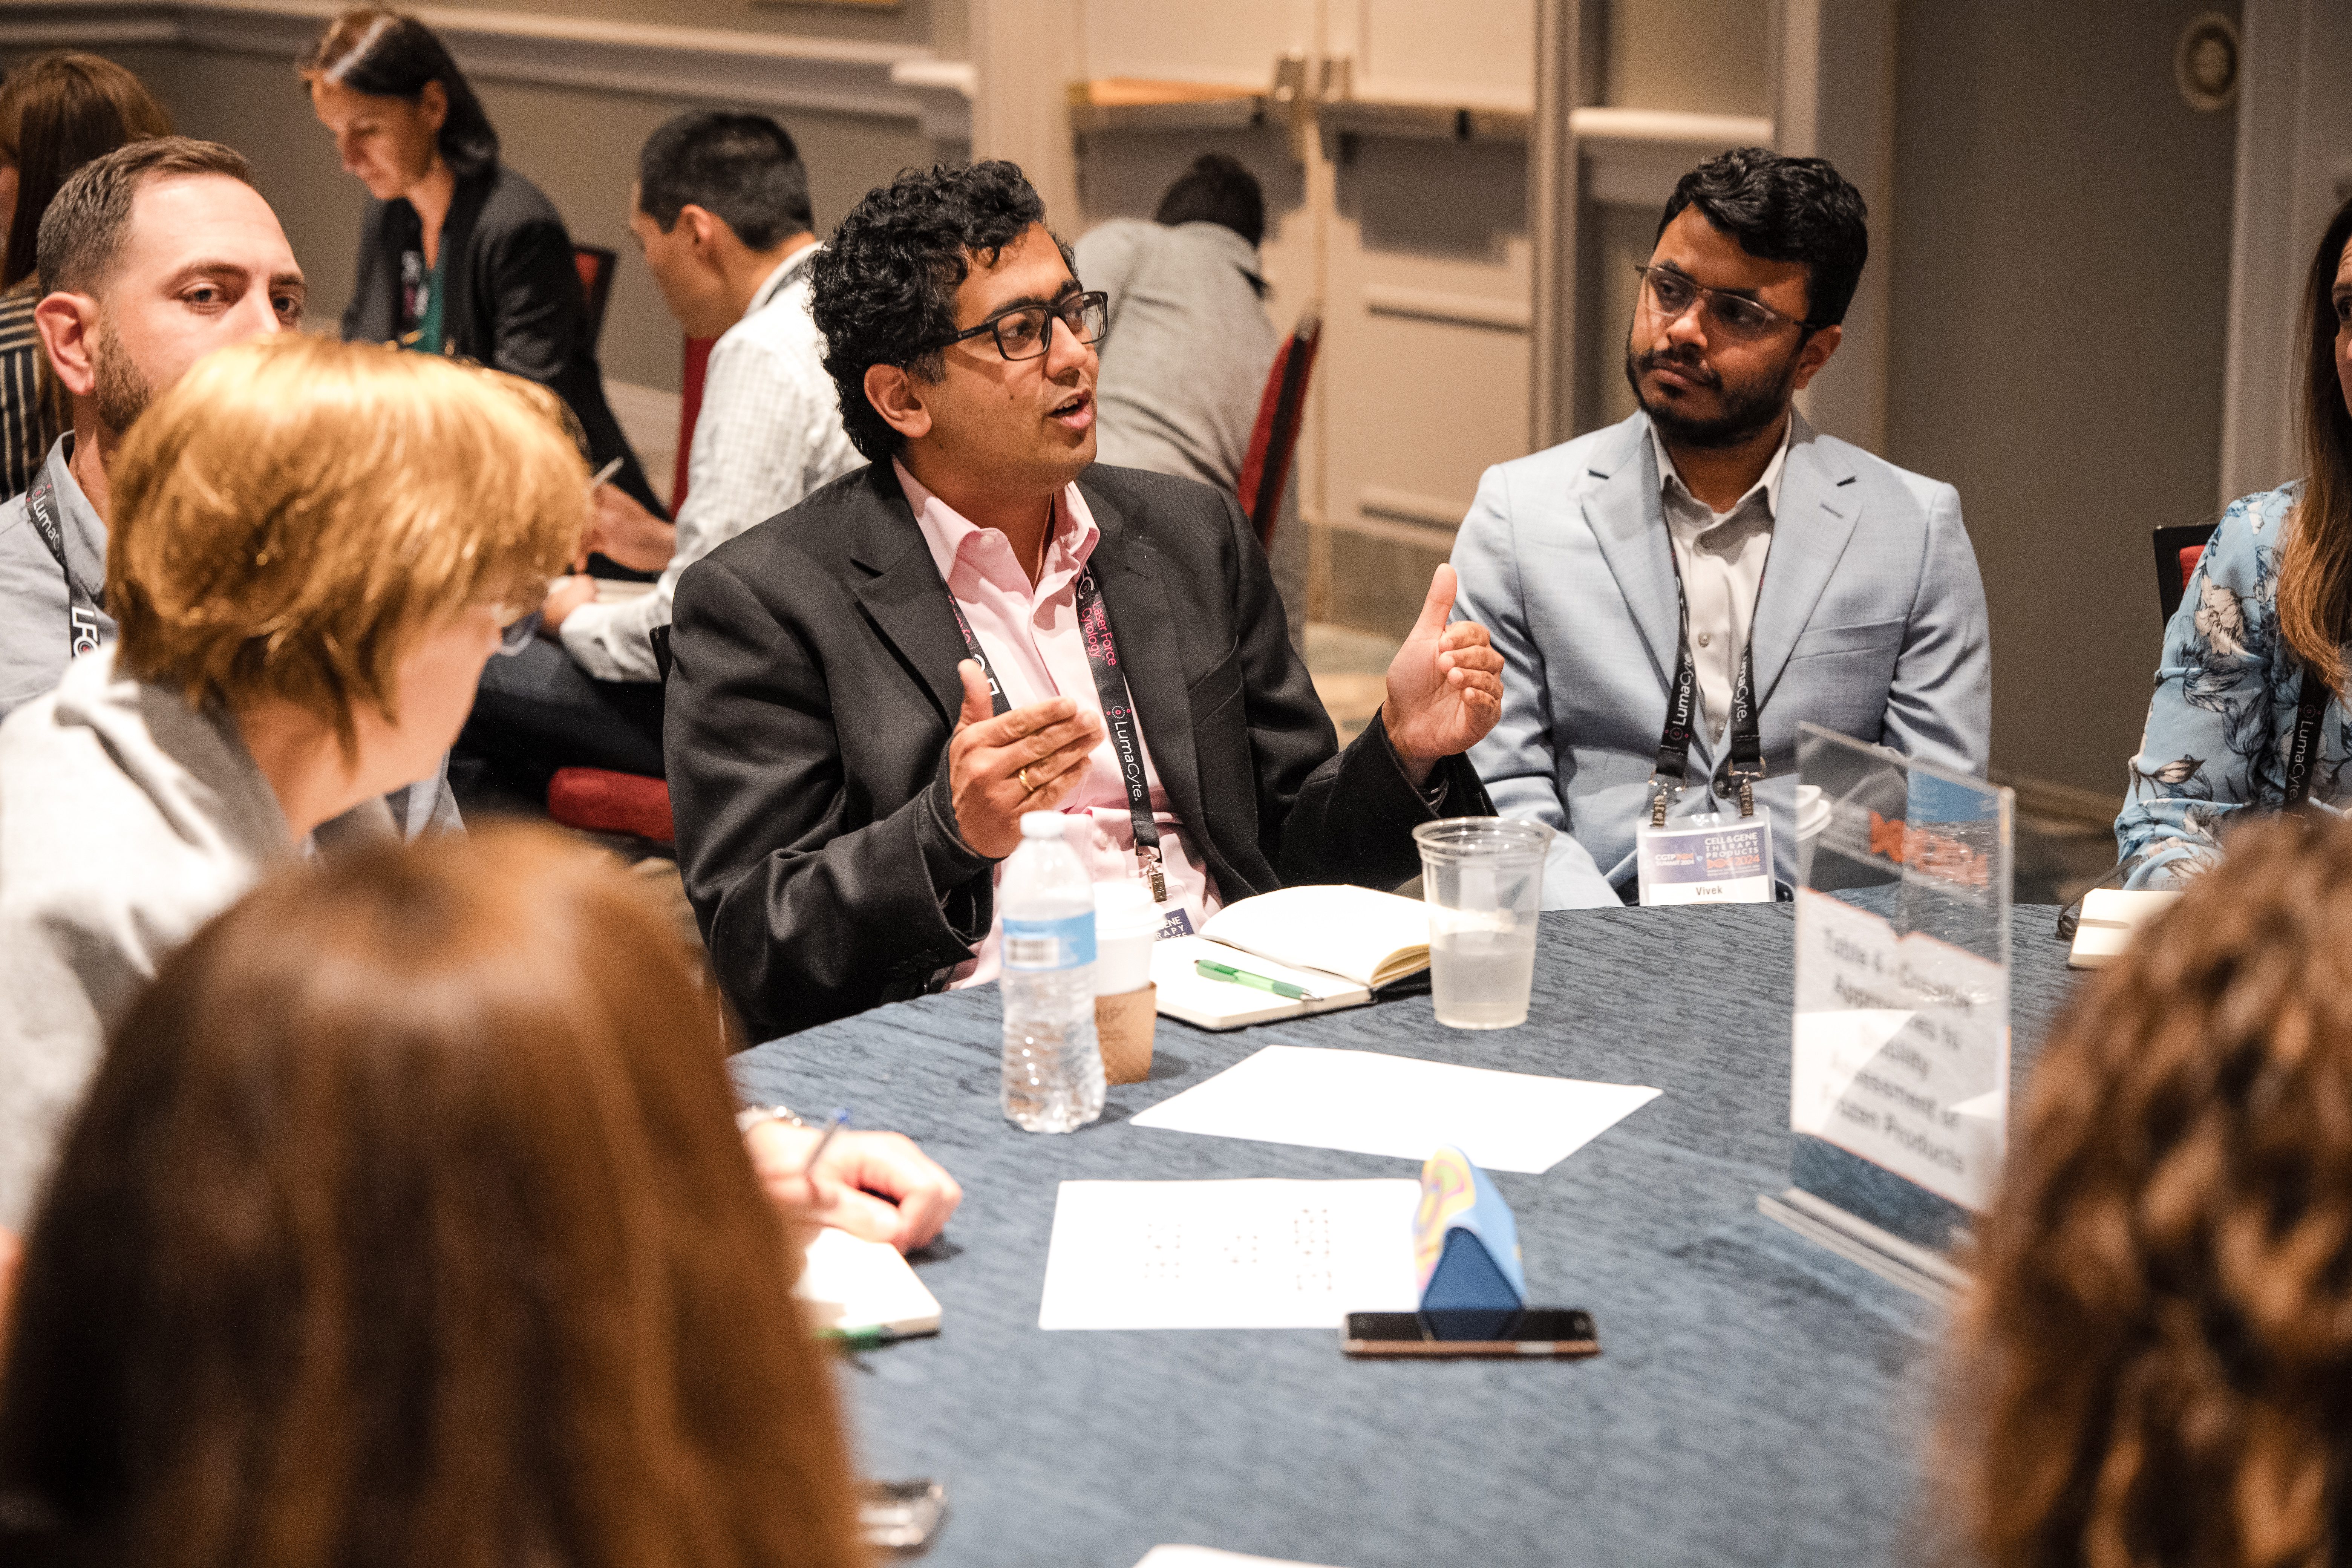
(121, 393)
(1747, 411)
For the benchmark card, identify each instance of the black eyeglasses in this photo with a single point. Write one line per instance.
(1023, 332)
(1669, 293)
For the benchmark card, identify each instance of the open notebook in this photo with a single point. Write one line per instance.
(856, 1286)
(1338, 943)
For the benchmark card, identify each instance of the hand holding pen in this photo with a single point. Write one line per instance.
(876, 1185)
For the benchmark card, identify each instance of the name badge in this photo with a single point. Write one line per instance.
(1173, 922)
(1707, 859)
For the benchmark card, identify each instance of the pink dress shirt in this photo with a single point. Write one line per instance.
(1031, 639)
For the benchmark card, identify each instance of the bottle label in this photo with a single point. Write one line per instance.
(1066, 943)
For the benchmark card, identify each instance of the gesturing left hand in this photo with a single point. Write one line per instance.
(1445, 686)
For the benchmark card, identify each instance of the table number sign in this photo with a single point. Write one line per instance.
(1899, 1033)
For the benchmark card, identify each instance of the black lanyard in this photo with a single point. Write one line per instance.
(1118, 711)
(2302, 748)
(1681, 708)
(82, 610)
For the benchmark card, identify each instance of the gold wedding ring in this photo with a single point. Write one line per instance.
(1023, 775)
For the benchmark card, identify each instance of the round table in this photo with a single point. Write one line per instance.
(1757, 1400)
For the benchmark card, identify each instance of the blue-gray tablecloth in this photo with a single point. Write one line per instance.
(1757, 1400)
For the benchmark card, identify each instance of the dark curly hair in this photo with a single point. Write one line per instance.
(2156, 1365)
(1785, 209)
(883, 290)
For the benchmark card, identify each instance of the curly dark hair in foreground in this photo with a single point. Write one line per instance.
(883, 290)
(2156, 1367)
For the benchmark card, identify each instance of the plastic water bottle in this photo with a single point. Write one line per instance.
(1053, 1067)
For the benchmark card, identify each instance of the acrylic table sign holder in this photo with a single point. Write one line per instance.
(1899, 1073)
(1473, 1288)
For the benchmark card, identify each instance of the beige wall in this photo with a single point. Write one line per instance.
(577, 146)
(940, 23)
(2061, 248)
(2058, 243)
(1713, 56)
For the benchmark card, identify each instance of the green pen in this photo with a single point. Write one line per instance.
(1243, 977)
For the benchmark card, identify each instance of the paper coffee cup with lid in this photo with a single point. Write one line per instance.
(1126, 1002)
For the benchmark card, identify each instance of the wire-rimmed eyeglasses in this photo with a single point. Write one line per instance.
(1669, 293)
(1023, 331)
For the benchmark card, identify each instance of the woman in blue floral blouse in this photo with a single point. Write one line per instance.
(2269, 606)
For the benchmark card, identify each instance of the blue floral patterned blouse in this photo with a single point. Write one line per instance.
(2223, 714)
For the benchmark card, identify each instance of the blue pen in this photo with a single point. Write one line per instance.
(834, 1123)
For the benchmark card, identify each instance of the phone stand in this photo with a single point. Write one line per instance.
(1467, 1295)
(1466, 1244)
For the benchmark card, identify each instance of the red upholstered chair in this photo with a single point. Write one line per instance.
(598, 800)
(595, 264)
(689, 409)
(1281, 410)
(2178, 551)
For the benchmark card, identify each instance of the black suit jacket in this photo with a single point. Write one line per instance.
(514, 303)
(814, 688)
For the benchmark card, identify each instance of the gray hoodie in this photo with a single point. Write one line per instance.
(127, 820)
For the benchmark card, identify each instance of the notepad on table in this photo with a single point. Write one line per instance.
(621, 590)
(856, 1286)
(2111, 918)
(1337, 944)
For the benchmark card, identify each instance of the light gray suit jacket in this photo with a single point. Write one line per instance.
(1870, 622)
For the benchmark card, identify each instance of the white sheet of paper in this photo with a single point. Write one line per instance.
(1252, 1254)
(1377, 1104)
(1210, 1557)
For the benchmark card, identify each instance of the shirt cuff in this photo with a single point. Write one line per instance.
(607, 641)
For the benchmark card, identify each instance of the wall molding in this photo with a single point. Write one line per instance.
(1453, 310)
(1635, 156)
(899, 82)
(1433, 512)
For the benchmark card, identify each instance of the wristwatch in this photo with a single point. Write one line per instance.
(752, 1116)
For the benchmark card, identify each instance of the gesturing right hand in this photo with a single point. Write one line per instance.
(1003, 764)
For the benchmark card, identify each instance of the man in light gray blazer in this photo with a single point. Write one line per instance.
(1843, 584)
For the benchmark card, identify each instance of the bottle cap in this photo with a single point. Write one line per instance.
(1040, 824)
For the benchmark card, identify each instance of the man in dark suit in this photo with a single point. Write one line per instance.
(846, 776)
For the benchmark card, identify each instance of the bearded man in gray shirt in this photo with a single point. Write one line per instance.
(153, 255)
(1185, 362)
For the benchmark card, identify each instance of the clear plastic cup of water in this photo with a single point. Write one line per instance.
(1481, 877)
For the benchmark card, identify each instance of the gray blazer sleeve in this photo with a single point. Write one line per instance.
(1516, 762)
(1939, 705)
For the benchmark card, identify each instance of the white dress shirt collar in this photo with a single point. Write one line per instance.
(1670, 479)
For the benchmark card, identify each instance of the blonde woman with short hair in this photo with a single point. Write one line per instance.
(316, 547)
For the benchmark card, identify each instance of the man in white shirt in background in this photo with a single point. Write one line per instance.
(721, 213)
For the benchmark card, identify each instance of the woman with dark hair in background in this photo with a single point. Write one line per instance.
(57, 112)
(2156, 1361)
(2248, 708)
(428, 1238)
(458, 254)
